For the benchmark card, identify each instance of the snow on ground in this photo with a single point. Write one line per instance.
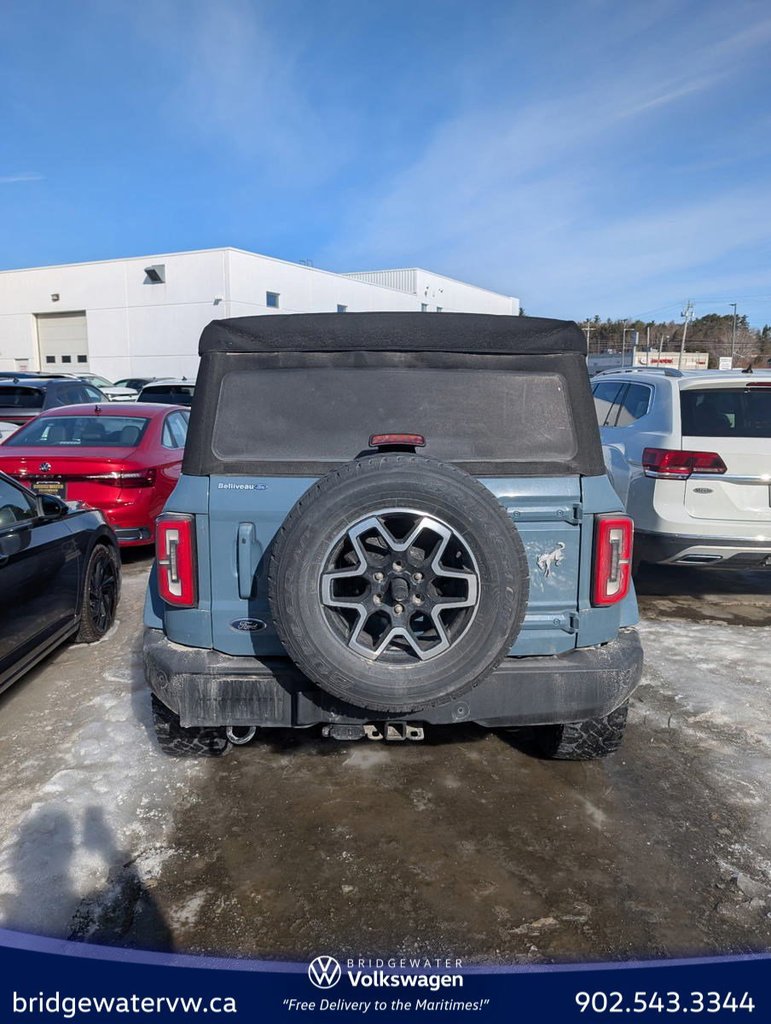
(86, 798)
(87, 802)
(717, 674)
(713, 681)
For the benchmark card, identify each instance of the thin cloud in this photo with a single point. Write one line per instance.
(516, 196)
(241, 87)
(13, 179)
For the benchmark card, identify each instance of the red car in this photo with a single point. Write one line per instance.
(122, 458)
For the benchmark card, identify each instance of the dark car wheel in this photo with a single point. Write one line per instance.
(398, 583)
(583, 741)
(101, 592)
(175, 741)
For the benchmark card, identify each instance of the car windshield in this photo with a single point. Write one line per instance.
(21, 398)
(81, 432)
(101, 382)
(727, 412)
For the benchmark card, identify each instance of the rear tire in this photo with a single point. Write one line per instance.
(101, 593)
(175, 741)
(583, 741)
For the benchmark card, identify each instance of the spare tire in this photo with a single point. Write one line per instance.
(397, 583)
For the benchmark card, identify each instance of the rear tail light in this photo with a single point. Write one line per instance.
(666, 462)
(177, 564)
(139, 478)
(612, 559)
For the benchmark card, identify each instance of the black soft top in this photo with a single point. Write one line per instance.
(483, 333)
(298, 394)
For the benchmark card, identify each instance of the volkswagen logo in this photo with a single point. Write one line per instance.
(324, 972)
(45, 467)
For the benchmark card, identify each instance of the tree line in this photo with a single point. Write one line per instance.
(709, 333)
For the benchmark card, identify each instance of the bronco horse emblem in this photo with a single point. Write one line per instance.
(549, 559)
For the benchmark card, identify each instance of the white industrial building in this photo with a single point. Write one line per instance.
(143, 316)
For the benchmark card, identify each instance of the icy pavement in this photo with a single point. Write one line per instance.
(711, 681)
(466, 844)
(85, 797)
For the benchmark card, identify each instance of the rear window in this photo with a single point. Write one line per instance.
(21, 398)
(328, 414)
(726, 412)
(81, 432)
(174, 394)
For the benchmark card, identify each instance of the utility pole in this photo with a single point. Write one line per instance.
(687, 315)
(623, 342)
(733, 335)
(588, 329)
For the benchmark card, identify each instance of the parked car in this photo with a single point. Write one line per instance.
(122, 459)
(170, 392)
(135, 383)
(23, 399)
(59, 577)
(20, 374)
(388, 521)
(689, 453)
(114, 392)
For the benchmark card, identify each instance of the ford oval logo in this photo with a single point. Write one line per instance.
(247, 625)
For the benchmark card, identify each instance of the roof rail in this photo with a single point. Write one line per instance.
(668, 371)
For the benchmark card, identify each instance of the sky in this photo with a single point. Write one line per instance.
(590, 157)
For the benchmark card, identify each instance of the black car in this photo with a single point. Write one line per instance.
(169, 391)
(23, 398)
(21, 374)
(59, 576)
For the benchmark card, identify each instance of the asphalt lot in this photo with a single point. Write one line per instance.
(465, 845)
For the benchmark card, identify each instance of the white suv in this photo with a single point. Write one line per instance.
(689, 453)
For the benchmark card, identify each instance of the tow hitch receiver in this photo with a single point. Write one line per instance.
(394, 732)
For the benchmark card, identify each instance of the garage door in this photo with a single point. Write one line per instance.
(62, 342)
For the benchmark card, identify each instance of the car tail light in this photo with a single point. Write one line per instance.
(177, 563)
(612, 559)
(138, 478)
(666, 462)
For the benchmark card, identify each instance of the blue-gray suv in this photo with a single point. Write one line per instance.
(388, 521)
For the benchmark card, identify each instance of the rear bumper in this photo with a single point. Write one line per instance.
(681, 549)
(205, 687)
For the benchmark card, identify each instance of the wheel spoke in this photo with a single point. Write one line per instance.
(399, 600)
(101, 593)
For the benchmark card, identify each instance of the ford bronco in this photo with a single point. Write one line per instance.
(388, 521)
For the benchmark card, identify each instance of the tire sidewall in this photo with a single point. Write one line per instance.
(88, 626)
(425, 486)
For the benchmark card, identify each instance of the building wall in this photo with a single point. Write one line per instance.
(302, 289)
(142, 329)
(133, 327)
(436, 291)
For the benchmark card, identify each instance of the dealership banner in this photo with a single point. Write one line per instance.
(49, 980)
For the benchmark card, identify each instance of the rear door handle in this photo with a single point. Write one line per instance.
(248, 554)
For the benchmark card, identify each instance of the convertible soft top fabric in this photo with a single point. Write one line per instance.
(481, 333)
